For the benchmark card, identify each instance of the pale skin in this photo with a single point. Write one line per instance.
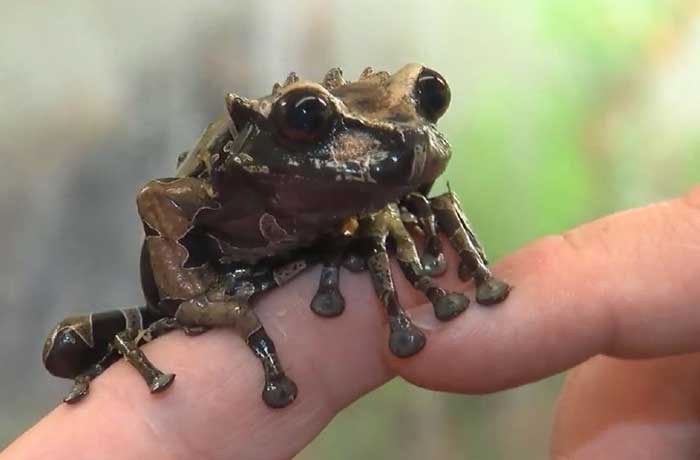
(617, 299)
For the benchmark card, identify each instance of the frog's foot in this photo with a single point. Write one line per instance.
(160, 382)
(450, 305)
(451, 219)
(405, 338)
(80, 389)
(329, 301)
(447, 305)
(156, 380)
(491, 291)
(279, 392)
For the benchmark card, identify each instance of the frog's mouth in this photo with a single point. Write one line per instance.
(319, 202)
(419, 156)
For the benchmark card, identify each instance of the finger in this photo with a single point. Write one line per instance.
(214, 408)
(627, 285)
(613, 408)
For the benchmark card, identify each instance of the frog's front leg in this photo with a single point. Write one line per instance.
(432, 259)
(452, 220)
(328, 300)
(405, 338)
(446, 305)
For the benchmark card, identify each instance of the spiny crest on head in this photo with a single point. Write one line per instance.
(370, 74)
(233, 100)
(366, 73)
(276, 89)
(334, 78)
(239, 106)
(291, 78)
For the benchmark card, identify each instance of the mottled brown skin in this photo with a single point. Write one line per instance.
(333, 173)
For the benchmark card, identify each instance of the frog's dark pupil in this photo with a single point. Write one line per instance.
(307, 114)
(302, 116)
(433, 94)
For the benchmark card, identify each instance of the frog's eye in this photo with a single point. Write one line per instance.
(433, 94)
(303, 116)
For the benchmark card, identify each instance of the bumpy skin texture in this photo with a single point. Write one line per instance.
(336, 173)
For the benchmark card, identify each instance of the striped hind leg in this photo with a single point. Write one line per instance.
(82, 347)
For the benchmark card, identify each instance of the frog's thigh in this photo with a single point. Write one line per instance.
(167, 208)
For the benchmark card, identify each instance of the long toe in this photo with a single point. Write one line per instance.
(450, 306)
(279, 392)
(492, 291)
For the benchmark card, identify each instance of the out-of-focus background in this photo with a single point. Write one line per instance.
(562, 111)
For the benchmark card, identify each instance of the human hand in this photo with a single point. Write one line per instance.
(626, 286)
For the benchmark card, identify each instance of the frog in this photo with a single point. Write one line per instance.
(335, 173)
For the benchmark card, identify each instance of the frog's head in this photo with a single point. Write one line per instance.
(378, 132)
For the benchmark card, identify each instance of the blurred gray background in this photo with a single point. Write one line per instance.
(562, 111)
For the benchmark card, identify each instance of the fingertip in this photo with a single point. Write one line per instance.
(692, 197)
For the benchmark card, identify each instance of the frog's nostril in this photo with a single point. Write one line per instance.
(394, 169)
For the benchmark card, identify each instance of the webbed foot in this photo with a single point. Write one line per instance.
(328, 303)
(160, 382)
(492, 291)
(80, 389)
(279, 392)
(405, 338)
(450, 306)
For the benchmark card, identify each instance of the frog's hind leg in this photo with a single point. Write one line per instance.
(279, 390)
(452, 220)
(81, 347)
(405, 338)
